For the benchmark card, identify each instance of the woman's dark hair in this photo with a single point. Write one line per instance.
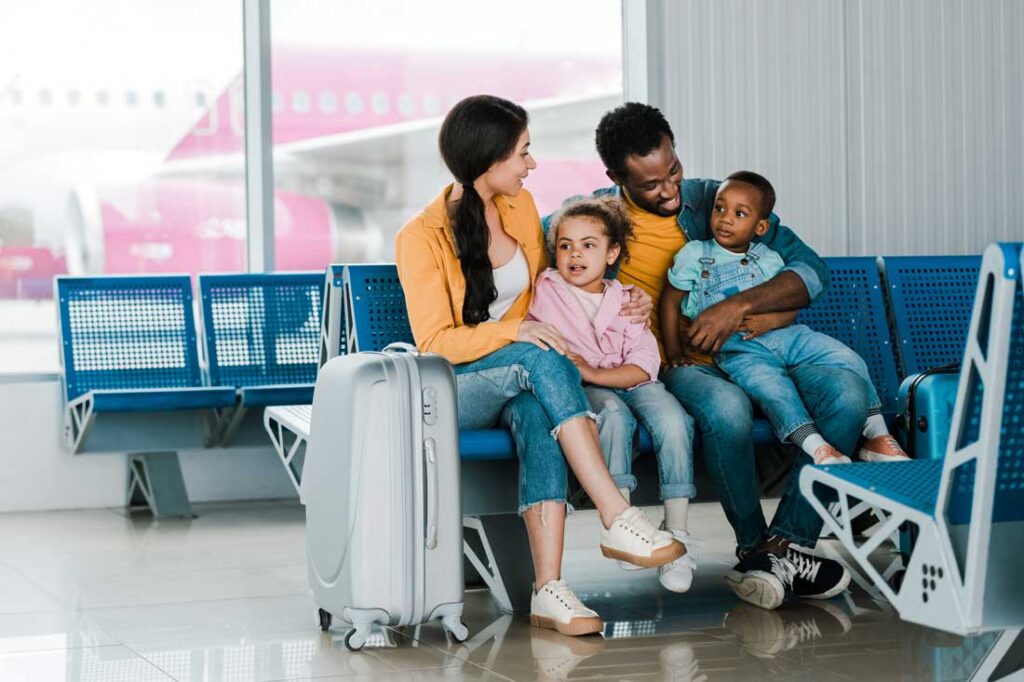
(478, 132)
(607, 210)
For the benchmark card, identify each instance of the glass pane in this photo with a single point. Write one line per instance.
(118, 122)
(360, 88)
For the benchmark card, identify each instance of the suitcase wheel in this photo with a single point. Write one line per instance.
(455, 628)
(325, 620)
(354, 640)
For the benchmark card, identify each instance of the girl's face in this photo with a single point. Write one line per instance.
(506, 176)
(582, 252)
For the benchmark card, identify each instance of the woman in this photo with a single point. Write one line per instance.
(467, 264)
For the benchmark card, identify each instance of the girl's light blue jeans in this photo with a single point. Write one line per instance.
(671, 430)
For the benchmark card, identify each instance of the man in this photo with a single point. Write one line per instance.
(636, 145)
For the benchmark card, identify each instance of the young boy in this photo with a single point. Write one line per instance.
(707, 272)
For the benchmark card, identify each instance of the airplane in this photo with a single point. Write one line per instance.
(354, 144)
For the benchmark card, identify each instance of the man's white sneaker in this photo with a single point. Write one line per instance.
(556, 606)
(677, 576)
(634, 539)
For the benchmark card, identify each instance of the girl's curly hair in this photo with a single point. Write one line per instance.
(608, 210)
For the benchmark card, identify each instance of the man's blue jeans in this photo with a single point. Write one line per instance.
(533, 392)
(664, 418)
(762, 366)
(836, 399)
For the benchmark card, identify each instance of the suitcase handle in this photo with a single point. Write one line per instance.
(401, 346)
(430, 457)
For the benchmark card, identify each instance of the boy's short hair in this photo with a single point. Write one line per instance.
(632, 128)
(763, 187)
(607, 210)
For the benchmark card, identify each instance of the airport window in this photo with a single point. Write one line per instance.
(94, 194)
(397, 68)
(276, 101)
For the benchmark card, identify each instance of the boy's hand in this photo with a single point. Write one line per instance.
(760, 323)
(586, 371)
(714, 326)
(639, 307)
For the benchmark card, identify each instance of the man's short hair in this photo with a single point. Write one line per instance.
(763, 187)
(632, 128)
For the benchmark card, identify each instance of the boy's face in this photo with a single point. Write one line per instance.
(652, 181)
(582, 252)
(735, 219)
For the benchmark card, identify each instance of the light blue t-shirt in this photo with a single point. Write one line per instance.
(685, 273)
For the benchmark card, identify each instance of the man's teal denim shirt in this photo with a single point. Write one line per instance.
(698, 198)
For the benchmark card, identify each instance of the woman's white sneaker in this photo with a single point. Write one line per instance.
(677, 576)
(634, 539)
(556, 606)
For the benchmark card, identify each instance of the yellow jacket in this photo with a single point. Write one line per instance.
(435, 288)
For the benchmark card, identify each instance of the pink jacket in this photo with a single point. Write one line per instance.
(611, 340)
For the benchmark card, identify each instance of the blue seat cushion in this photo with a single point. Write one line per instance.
(914, 483)
(282, 394)
(159, 399)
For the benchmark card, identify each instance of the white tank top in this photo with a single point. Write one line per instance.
(510, 280)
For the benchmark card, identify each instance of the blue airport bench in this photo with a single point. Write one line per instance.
(853, 311)
(263, 338)
(931, 299)
(132, 378)
(963, 570)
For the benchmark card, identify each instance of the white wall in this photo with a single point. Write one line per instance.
(36, 472)
(887, 126)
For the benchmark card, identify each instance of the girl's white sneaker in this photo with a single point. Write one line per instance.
(677, 576)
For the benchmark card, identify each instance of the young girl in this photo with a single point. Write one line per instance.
(618, 359)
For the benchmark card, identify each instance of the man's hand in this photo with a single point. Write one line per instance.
(639, 307)
(715, 325)
(586, 371)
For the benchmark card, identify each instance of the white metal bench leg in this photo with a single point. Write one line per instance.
(509, 553)
(287, 444)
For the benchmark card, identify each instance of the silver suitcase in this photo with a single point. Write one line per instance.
(381, 489)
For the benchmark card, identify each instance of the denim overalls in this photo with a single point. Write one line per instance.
(759, 366)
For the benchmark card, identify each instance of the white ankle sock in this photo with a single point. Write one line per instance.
(675, 513)
(812, 443)
(875, 427)
(625, 493)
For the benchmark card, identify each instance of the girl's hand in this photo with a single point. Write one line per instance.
(543, 335)
(639, 307)
(678, 361)
(586, 371)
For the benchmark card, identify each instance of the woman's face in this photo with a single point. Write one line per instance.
(506, 176)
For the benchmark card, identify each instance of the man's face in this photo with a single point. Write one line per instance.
(652, 181)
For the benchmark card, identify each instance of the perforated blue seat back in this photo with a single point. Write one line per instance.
(932, 298)
(378, 314)
(262, 329)
(121, 333)
(336, 277)
(852, 310)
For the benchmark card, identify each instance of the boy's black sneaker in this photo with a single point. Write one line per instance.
(758, 578)
(813, 577)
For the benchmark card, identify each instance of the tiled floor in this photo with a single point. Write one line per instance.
(98, 595)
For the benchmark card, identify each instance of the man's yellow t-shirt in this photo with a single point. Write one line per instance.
(655, 243)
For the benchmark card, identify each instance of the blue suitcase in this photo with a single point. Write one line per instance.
(925, 406)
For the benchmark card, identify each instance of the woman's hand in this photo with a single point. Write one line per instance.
(639, 306)
(758, 324)
(543, 335)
